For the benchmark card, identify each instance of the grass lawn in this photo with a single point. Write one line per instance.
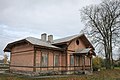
(101, 75)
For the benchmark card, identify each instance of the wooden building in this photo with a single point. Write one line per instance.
(73, 53)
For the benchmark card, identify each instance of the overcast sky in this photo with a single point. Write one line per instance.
(23, 18)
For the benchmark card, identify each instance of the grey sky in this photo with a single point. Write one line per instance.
(22, 18)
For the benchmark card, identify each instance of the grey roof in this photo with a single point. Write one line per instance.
(36, 41)
(32, 40)
(66, 39)
(83, 50)
(39, 42)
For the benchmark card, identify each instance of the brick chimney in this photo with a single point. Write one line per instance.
(43, 36)
(50, 38)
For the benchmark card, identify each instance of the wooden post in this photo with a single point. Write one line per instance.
(40, 60)
(53, 60)
(34, 64)
(66, 60)
(91, 64)
(47, 60)
(74, 62)
(83, 63)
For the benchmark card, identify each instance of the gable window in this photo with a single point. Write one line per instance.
(77, 42)
(44, 59)
(71, 60)
(56, 60)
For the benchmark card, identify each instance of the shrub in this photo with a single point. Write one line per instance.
(97, 63)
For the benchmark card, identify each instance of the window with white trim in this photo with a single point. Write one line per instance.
(71, 60)
(56, 60)
(44, 59)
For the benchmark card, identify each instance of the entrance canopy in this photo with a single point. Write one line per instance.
(87, 51)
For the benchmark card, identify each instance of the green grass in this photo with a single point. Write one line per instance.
(116, 67)
(101, 75)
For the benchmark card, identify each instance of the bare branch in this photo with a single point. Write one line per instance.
(103, 21)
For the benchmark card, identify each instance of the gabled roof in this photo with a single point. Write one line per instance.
(69, 38)
(33, 41)
(84, 51)
(66, 39)
(39, 42)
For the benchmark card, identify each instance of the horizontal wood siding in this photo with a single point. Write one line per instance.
(73, 47)
(22, 55)
(50, 65)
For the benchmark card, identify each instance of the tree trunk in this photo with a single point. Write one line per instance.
(107, 55)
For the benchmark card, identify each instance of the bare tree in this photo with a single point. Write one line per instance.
(103, 24)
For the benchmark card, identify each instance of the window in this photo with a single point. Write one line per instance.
(44, 59)
(56, 60)
(77, 60)
(77, 42)
(71, 60)
(37, 59)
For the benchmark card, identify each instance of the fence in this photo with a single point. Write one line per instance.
(4, 67)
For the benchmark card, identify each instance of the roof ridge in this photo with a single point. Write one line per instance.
(37, 41)
(37, 38)
(65, 39)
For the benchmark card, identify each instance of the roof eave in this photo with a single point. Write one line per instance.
(10, 45)
(89, 42)
(65, 42)
(46, 47)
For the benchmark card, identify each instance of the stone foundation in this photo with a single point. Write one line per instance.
(49, 73)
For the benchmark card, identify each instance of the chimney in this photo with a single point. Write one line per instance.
(43, 36)
(50, 38)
